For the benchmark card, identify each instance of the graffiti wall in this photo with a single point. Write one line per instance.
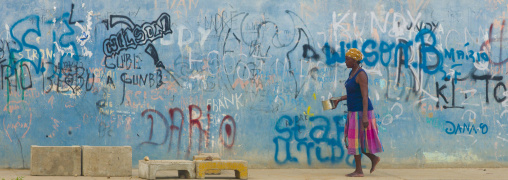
(245, 79)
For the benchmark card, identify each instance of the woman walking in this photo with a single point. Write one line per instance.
(360, 131)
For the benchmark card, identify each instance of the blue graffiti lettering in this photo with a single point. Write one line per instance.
(372, 45)
(287, 140)
(318, 139)
(453, 128)
(38, 67)
(382, 52)
(429, 49)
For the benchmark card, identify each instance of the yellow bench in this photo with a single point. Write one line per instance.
(239, 166)
(208, 156)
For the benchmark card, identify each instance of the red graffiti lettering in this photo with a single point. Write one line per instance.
(194, 121)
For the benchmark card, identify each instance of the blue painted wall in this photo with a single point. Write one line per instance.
(246, 79)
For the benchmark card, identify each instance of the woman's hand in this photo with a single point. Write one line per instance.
(365, 122)
(345, 142)
(336, 102)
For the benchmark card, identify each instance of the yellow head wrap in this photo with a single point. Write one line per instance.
(355, 54)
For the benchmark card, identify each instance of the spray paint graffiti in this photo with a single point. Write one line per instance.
(173, 129)
(134, 35)
(468, 128)
(321, 138)
(134, 78)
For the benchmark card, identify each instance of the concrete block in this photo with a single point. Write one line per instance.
(240, 167)
(107, 161)
(148, 169)
(209, 156)
(55, 160)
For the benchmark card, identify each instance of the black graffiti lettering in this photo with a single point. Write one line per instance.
(435, 25)
(453, 98)
(136, 60)
(109, 65)
(69, 80)
(135, 80)
(79, 80)
(440, 93)
(110, 45)
(224, 51)
(125, 81)
(24, 80)
(306, 49)
(154, 79)
(2, 51)
(222, 21)
(121, 40)
(88, 79)
(159, 76)
(135, 35)
(3, 73)
(152, 52)
(67, 74)
(70, 17)
(50, 84)
(487, 78)
(143, 80)
(13, 80)
(106, 23)
(58, 85)
(423, 25)
(419, 27)
(110, 81)
(151, 80)
(128, 39)
(124, 61)
(408, 27)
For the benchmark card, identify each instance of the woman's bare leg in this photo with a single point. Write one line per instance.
(374, 159)
(358, 171)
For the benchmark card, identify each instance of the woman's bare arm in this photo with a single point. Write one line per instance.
(364, 88)
(342, 98)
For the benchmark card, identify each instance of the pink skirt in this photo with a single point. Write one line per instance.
(359, 139)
